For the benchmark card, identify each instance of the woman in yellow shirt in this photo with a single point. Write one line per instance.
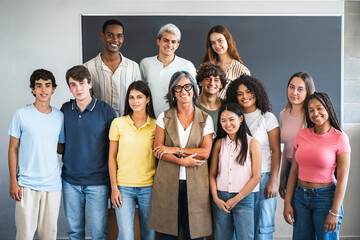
(131, 161)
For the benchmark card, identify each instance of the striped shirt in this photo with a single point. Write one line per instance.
(111, 87)
(235, 70)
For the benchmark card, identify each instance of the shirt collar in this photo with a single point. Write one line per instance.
(123, 62)
(159, 62)
(232, 64)
(131, 122)
(89, 107)
(228, 141)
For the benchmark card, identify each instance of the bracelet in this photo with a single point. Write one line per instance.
(241, 196)
(334, 214)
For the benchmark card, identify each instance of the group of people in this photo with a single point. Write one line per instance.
(196, 151)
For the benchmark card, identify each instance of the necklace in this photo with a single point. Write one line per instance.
(186, 116)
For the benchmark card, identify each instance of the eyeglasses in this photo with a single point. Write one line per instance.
(187, 87)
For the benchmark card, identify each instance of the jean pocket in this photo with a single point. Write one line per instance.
(325, 194)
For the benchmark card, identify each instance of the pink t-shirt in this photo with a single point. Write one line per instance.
(316, 154)
(290, 126)
(231, 176)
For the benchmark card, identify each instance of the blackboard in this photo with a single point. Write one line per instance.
(272, 47)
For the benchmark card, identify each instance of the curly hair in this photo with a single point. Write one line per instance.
(255, 86)
(232, 50)
(324, 99)
(210, 69)
(41, 74)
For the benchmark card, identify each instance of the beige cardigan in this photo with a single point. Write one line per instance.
(164, 202)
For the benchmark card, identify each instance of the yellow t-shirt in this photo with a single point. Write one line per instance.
(136, 163)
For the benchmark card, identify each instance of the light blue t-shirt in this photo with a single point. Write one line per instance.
(39, 134)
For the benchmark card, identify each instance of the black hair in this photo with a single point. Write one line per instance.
(241, 134)
(144, 89)
(324, 99)
(41, 74)
(255, 86)
(112, 22)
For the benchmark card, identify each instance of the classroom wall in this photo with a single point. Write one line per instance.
(46, 34)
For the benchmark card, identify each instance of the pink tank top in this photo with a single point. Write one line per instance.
(290, 126)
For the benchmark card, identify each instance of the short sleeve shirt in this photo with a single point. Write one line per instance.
(85, 160)
(184, 135)
(259, 125)
(109, 86)
(136, 162)
(39, 134)
(316, 154)
(158, 78)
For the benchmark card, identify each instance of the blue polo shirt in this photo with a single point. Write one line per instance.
(85, 160)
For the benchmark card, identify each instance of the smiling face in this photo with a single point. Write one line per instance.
(246, 99)
(296, 91)
(211, 85)
(113, 38)
(230, 122)
(184, 96)
(168, 44)
(138, 101)
(80, 90)
(43, 90)
(317, 113)
(218, 43)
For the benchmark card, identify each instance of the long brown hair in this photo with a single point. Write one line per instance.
(144, 89)
(232, 50)
(310, 89)
(309, 85)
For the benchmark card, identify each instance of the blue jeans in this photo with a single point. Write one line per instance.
(183, 214)
(130, 196)
(241, 218)
(264, 211)
(311, 207)
(96, 200)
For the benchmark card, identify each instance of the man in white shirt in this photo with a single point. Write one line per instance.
(157, 70)
(111, 72)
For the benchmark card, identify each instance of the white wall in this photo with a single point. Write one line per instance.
(46, 34)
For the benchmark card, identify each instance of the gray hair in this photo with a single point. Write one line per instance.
(169, 28)
(175, 79)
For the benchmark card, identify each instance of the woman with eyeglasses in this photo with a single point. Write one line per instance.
(183, 139)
